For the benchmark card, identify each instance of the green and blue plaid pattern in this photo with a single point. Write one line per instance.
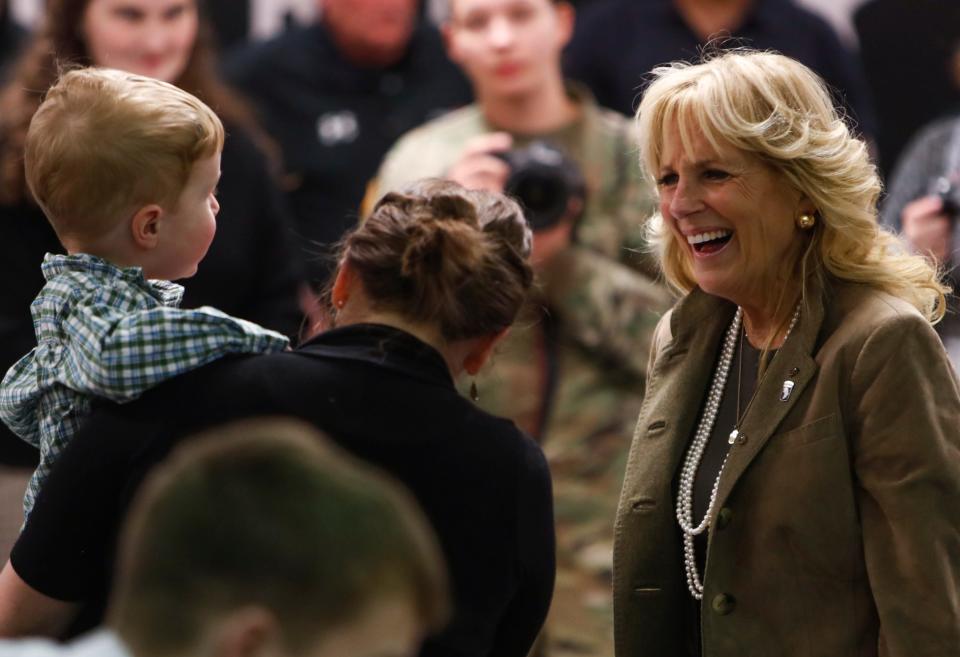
(107, 332)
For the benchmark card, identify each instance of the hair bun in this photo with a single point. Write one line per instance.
(440, 254)
(441, 251)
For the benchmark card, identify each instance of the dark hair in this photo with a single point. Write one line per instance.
(58, 44)
(267, 513)
(441, 254)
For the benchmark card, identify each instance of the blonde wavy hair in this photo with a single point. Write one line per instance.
(779, 111)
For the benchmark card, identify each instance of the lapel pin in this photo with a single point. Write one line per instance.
(786, 391)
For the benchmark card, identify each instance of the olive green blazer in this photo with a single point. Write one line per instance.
(836, 529)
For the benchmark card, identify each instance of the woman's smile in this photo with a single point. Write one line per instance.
(709, 242)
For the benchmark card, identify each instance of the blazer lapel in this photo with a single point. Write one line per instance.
(783, 384)
(683, 376)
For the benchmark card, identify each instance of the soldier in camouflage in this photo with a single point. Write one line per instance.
(571, 372)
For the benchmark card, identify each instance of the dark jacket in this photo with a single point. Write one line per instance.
(835, 531)
(334, 120)
(384, 396)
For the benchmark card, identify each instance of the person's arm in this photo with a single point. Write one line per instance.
(27, 612)
(119, 355)
(906, 456)
(922, 161)
(536, 558)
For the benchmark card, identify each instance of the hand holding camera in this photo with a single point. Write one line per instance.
(541, 177)
(928, 226)
(479, 167)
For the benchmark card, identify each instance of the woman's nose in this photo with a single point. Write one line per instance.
(685, 199)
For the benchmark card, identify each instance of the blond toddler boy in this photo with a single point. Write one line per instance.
(125, 169)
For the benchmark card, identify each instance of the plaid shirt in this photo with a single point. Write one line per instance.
(107, 332)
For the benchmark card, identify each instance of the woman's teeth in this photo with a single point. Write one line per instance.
(709, 236)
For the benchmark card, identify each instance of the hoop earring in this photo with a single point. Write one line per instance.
(474, 393)
(806, 221)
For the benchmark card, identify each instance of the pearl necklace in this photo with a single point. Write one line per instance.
(695, 453)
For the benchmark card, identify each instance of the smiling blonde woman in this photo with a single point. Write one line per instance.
(794, 478)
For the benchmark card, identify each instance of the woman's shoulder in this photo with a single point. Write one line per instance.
(504, 441)
(870, 324)
(866, 308)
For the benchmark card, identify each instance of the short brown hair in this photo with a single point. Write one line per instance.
(268, 513)
(105, 142)
(438, 253)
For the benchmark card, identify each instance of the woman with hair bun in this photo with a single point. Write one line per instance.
(426, 287)
(794, 480)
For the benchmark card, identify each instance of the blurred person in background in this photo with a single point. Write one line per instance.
(260, 538)
(336, 95)
(425, 289)
(251, 271)
(12, 37)
(907, 47)
(618, 42)
(923, 203)
(571, 373)
(238, 22)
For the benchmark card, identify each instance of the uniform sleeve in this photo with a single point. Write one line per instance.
(119, 355)
(536, 555)
(906, 457)
(611, 305)
(421, 153)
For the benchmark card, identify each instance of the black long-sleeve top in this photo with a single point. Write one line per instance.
(381, 394)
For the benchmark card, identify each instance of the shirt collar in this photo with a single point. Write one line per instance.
(169, 294)
(383, 346)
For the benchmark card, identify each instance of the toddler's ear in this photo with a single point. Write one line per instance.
(145, 226)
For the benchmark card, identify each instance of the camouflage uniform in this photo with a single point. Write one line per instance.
(571, 371)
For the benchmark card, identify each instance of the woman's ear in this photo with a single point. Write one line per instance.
(480, 352)
(342, 285)
(145, 226)
(806, 205)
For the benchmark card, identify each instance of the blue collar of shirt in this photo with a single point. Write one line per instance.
(169, 294)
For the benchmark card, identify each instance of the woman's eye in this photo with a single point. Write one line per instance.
(715, 174)
(667, 179)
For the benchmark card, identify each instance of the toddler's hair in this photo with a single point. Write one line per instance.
(104, 143)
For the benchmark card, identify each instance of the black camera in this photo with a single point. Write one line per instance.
(949, 193)
(544, 181)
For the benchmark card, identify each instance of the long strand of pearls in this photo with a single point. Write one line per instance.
(694, 454)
